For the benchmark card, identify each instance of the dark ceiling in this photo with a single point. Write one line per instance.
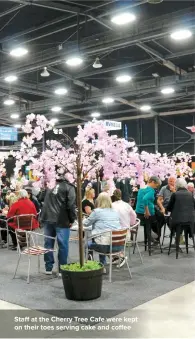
(52, 31)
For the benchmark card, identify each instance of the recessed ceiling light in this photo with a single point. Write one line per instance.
(155, 75)
(108, 100)
(167, 90)
(9, 102)
(181, 34)
(74, 61)
(123, 78)
(123, 18)
(18, 52)
(15, 116)
(54, 121)
(17, 126)
(61, 91)
(95, 114)
(145, 108)
(11, 78)
(56, 109)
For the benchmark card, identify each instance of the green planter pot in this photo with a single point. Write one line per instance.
(86, 285)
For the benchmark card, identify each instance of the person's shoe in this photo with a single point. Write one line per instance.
(104, 270)
(122, 262)
(48, 272)
(115, 261)
(14, 248)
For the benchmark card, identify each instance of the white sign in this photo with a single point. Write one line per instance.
(112, 125)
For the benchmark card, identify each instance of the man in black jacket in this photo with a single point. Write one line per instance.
(57, 216)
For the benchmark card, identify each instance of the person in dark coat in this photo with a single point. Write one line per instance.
(182, 207)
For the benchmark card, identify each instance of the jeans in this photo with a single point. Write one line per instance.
(104, 249)
(62, 234)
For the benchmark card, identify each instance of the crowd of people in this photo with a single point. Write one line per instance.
(154, 205)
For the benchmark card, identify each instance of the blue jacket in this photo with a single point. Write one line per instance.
(146, 197)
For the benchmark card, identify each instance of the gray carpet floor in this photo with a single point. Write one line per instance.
(158, 275)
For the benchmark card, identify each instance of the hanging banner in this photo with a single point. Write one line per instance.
(112, 125)
(8, 134)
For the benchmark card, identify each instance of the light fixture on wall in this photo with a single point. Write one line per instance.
(97, 63)
(45, 73)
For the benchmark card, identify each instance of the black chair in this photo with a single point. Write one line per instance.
(178, 229)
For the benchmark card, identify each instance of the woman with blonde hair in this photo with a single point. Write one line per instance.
(88, 201)
(103, 218)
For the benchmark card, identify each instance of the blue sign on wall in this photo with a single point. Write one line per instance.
(8, 134)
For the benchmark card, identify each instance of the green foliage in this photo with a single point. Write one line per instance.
(88, 266)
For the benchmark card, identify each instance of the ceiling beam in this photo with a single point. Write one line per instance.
(51, 5)
(12, 9)
(165, 62)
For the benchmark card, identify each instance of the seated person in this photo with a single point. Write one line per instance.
(33, 199)
(21, 207)
(103, 218)
(127, 217)
(88, 201)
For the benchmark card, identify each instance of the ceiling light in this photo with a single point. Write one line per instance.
(108, 100)
(167, 90)
(181, 34)
(97, 63)
(9, 102)
(75, 61)
(56, 109)
(155, 75)
(11, 78)
(54, 120)
(15, 116)
(17, 126)
(45, 72)
(145, 108)
(18, 52)
(123, 18)
(95, 114)
(61, 91)
(123, 78)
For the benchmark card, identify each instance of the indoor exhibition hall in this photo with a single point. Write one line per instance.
(97, 169)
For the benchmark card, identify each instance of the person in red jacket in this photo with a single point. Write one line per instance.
(21, 207)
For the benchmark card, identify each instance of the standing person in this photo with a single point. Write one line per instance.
(33, 199)
(190, 188)
(127, 218)
(181, 206)
(145, 208)
(58, 214)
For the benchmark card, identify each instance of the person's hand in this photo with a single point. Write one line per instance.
(163, 210)
(147, 215)
(172, 189)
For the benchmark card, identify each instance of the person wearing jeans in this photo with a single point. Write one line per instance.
(62, 235)
(59, 212)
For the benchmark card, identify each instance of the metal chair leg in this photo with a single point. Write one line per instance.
(165, 226)
(28, 277)
(128, 268)
(139, 252)
(135, 243)
(17, 266)
(38, 263)
(110, 270)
